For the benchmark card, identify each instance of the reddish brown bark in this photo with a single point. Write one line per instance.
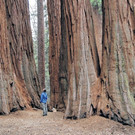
(72, 52)
(74, 41)
(57, 54)
(19, 86)
(118, 84)
(97, 17)
(41, 44)
(83, 59)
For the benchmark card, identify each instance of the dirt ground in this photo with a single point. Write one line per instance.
(31, 122)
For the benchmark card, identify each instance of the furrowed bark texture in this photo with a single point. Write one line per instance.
(83, 60)
(19, 85)
(97, 17)
(41, 44)
(74, 61)
(74, 58)
(118, 68)
(57, 54)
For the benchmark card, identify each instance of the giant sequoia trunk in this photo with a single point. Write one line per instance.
(41, 45)
(57, 54)
(118, 68)
(19, 85)
(83, 60)
(74, 62)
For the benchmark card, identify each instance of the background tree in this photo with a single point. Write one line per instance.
(41, 45)
(33, 19)
(54, 14)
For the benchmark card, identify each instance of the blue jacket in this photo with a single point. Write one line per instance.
(43, 98)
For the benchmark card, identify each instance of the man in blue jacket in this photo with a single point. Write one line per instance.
(43, 100)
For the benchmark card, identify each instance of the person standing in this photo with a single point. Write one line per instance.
(43, 100)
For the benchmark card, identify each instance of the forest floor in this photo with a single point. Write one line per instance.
(31, 122)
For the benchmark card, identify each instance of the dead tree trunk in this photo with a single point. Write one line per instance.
(118, 68)
(19, 85)
(41, 45)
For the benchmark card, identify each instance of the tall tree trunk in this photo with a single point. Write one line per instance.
(19, 85)
(118, 68)
(41, 45)
(83, 59)
(74, 61)
(57, 54)
(73, 41)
